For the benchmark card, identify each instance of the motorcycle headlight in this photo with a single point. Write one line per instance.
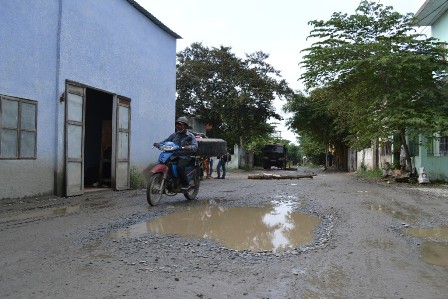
(168, 147)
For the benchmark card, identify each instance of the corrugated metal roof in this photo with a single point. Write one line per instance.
(431, 11)
(154, 19)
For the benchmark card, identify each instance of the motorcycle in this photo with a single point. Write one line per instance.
(165, 177)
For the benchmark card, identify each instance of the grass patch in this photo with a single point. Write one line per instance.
(136, 178)
(371, 174)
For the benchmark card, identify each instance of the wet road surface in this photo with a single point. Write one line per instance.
(333, 236)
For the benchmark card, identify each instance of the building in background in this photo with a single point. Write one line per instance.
(434, 159)
(86, 87)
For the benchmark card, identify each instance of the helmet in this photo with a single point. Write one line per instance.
(183, 120)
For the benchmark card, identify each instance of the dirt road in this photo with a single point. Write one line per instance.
(372, 240)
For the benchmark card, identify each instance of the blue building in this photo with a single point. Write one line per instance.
(434, 158)
(86, 87)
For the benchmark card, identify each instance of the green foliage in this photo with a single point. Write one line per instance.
(310, 146)
(370, 75)
(313, 149)
(372, 174)
(136, 180)
(255, 145)
(312, 117)
(294, 153)
(232, 94)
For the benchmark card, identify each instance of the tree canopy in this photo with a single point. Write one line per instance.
(232, 94)
(372, 75)
(314, 121)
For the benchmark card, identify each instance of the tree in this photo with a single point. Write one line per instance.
(381, 76)
(312, 149)
(234, 95)
(309, 116)
(294, 153)
(256, 145)
(314, 120)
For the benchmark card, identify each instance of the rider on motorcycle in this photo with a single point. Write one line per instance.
(187, 141)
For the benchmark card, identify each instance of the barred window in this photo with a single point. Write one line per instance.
(443, 145)
(18, 128)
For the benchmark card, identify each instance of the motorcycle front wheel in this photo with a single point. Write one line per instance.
(193, 190)
(154, 189)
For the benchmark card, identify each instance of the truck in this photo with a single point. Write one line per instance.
(274, 154)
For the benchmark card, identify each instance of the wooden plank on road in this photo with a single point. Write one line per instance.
(268, 176)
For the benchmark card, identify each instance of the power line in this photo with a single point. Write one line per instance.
(434, 18)
(445, 3)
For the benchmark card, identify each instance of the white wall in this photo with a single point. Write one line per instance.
(365, 156)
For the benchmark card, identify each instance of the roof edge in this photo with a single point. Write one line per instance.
(154, 19)
(423, 7)
(430, 12)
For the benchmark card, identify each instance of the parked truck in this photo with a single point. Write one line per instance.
(274, 155)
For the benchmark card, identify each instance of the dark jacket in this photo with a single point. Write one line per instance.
(224, 158)
(184, 139)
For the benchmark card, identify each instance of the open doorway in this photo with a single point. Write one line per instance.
(98, 140)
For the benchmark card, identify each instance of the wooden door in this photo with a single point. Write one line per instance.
(122, 137)
(74, 139)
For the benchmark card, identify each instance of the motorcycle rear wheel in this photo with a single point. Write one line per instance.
(194, 190)
(154, 189)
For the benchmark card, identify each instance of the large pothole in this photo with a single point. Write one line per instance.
(277, 227)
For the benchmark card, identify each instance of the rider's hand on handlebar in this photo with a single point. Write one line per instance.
(155, 144)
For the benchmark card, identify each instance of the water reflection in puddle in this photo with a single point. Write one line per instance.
(440, 233)
(272, 228)
(407, 214)
(432, 252)
(43, 213)
(435, 253)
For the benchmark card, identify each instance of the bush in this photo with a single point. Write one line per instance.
(137, 181)
(376, 173)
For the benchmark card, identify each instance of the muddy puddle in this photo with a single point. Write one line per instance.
(439, 233)
(404, 213)
(435, 251)
(274, 228)
(43, 213)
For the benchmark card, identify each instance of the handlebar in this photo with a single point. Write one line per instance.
(170, 146)
(167, 147)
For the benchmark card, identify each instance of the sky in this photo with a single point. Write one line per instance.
(279, 28)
